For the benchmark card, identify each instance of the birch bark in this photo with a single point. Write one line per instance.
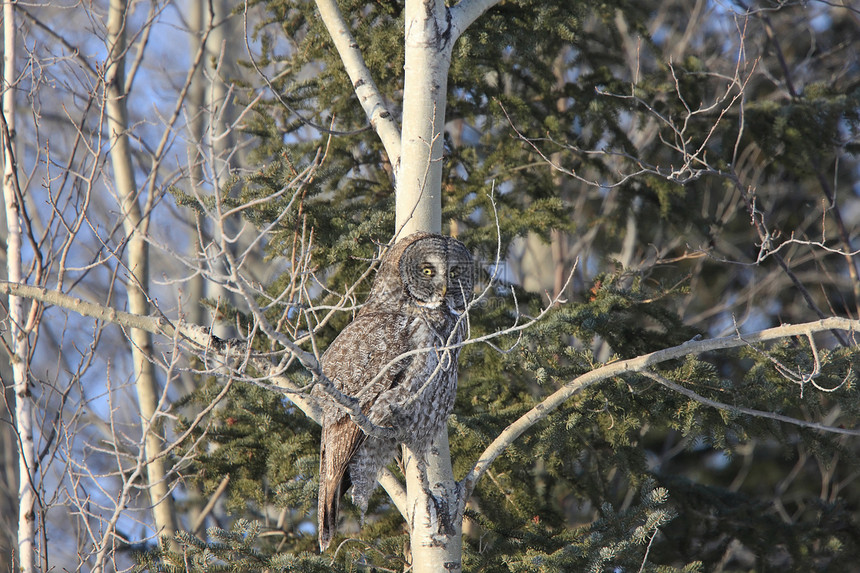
(428, 41)
(430, 32)
(434, 510)
(18, 339)
(434, 500)
(434, 504)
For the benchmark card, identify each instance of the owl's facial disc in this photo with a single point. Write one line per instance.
(432, 284)
(460, 283)
(436, 272)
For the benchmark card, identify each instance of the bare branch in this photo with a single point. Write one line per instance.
(210, 505)
(362, 81)
(465, 12)
(641, 364)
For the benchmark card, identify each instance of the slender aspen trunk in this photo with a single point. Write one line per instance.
(219, 140)
(428, 42)
(138, 265)
(434, 499)
(434, 511)
(434, 504)
(221, 69)
(435, 534)
(194, 289)
(18, 338)
(435, 519)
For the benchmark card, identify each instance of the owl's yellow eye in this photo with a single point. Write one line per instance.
(454, 273)
(428, 271)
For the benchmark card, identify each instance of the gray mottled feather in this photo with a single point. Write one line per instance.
(359, 363)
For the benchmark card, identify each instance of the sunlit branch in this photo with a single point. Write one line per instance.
(641, 364)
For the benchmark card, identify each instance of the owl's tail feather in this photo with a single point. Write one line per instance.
(340, 441)
(329, 504)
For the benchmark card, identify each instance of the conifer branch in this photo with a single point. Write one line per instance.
(641, 364)
(742, 410)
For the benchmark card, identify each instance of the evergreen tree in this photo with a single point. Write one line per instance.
(681, 161)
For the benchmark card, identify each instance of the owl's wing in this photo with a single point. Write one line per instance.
(352, 362)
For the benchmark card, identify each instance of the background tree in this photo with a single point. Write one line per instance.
(20, 321)
(697, 167)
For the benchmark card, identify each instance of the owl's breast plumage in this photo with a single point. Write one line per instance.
(432, 380)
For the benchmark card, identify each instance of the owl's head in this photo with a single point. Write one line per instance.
(437, 270)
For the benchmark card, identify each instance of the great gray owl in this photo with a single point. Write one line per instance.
(422, 287)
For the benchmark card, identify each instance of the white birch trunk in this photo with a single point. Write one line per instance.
(428, 41)
(434, 504)
(138, 265)
(220, 68)
(210, 142)
(430, 31)
(196, 117)
(18, 338)
(435, 532)
(434, 511)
